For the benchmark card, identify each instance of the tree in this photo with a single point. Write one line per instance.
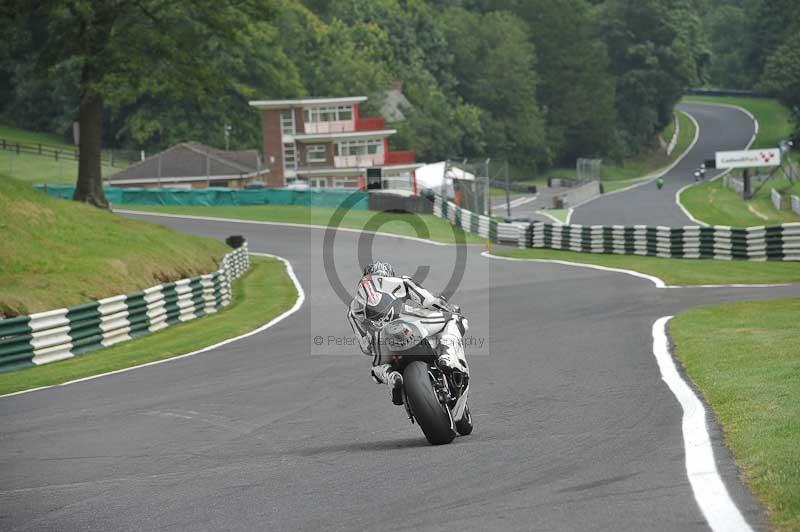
(653, 60)
(494, 63)
(123, 49)
(257, 69)
(575, 89)
(782, 77)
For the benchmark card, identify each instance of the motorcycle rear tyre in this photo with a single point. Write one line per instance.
(429, 413)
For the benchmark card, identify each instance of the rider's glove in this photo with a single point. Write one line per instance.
(365, 342)
(450, 307)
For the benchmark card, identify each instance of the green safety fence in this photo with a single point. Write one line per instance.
(219, 196)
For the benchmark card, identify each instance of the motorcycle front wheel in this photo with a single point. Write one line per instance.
(431, 416)
(464, 425)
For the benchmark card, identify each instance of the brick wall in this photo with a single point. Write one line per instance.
(273, 148)
(299, 123)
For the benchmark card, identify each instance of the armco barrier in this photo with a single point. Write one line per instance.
(775, 196)
(780, 242)
(733, 183)
(219, 196)
(44, 337)
(675, 132)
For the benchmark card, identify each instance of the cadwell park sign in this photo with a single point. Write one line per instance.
(748, 158)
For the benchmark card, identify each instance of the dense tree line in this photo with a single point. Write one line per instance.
(755, 45)
(537, 82)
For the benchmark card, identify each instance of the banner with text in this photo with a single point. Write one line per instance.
(748, 158)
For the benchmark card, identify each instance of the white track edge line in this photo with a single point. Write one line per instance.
(301, 297)
(289, 224)
(524, 200)
(653, 177)
(556, 220)
(653, 279)
(721, 174)
(710, 493)
(659, 283)
(571, 210)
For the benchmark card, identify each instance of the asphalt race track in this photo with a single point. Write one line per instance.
(574, 428)
(721, 128)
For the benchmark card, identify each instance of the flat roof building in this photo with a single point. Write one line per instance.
(326, 142)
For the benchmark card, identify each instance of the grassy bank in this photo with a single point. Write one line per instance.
(13, 134)
(431, 227)
(56, 253)
(743, 357)
(674, 271)
(715, 204)
(34, 168)
(260, 295)
(39, 169)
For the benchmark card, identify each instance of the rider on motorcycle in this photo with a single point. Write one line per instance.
(373, 307)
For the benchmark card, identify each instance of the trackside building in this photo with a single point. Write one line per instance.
(327, 143)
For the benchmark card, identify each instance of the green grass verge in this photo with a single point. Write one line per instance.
(774, 120)
(743, 357)
(56, 253)
(674, 271)
(669, 131)
(558, 214)
(430, 227)
(714, 204)
(260, 295)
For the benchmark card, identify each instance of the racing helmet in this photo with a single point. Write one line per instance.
(379, 268)
(375, 306)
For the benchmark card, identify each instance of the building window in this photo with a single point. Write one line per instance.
(318, 182)
(345, 112)
(287, 122)
(317, 153)
(289, 156)
(358, 147)
(328, 114)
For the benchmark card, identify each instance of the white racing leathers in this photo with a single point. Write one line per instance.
(380, 300)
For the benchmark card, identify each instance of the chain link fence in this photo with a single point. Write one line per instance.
(470, 184)
(588, 170)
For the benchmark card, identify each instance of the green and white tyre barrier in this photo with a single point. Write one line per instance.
(45, 337)
(777, 242)
(780, 242)
(478, 224)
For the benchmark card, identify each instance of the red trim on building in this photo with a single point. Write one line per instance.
(356, 115)
(371, 123)
(397, 157)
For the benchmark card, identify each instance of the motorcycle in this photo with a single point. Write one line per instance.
(434, 398)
